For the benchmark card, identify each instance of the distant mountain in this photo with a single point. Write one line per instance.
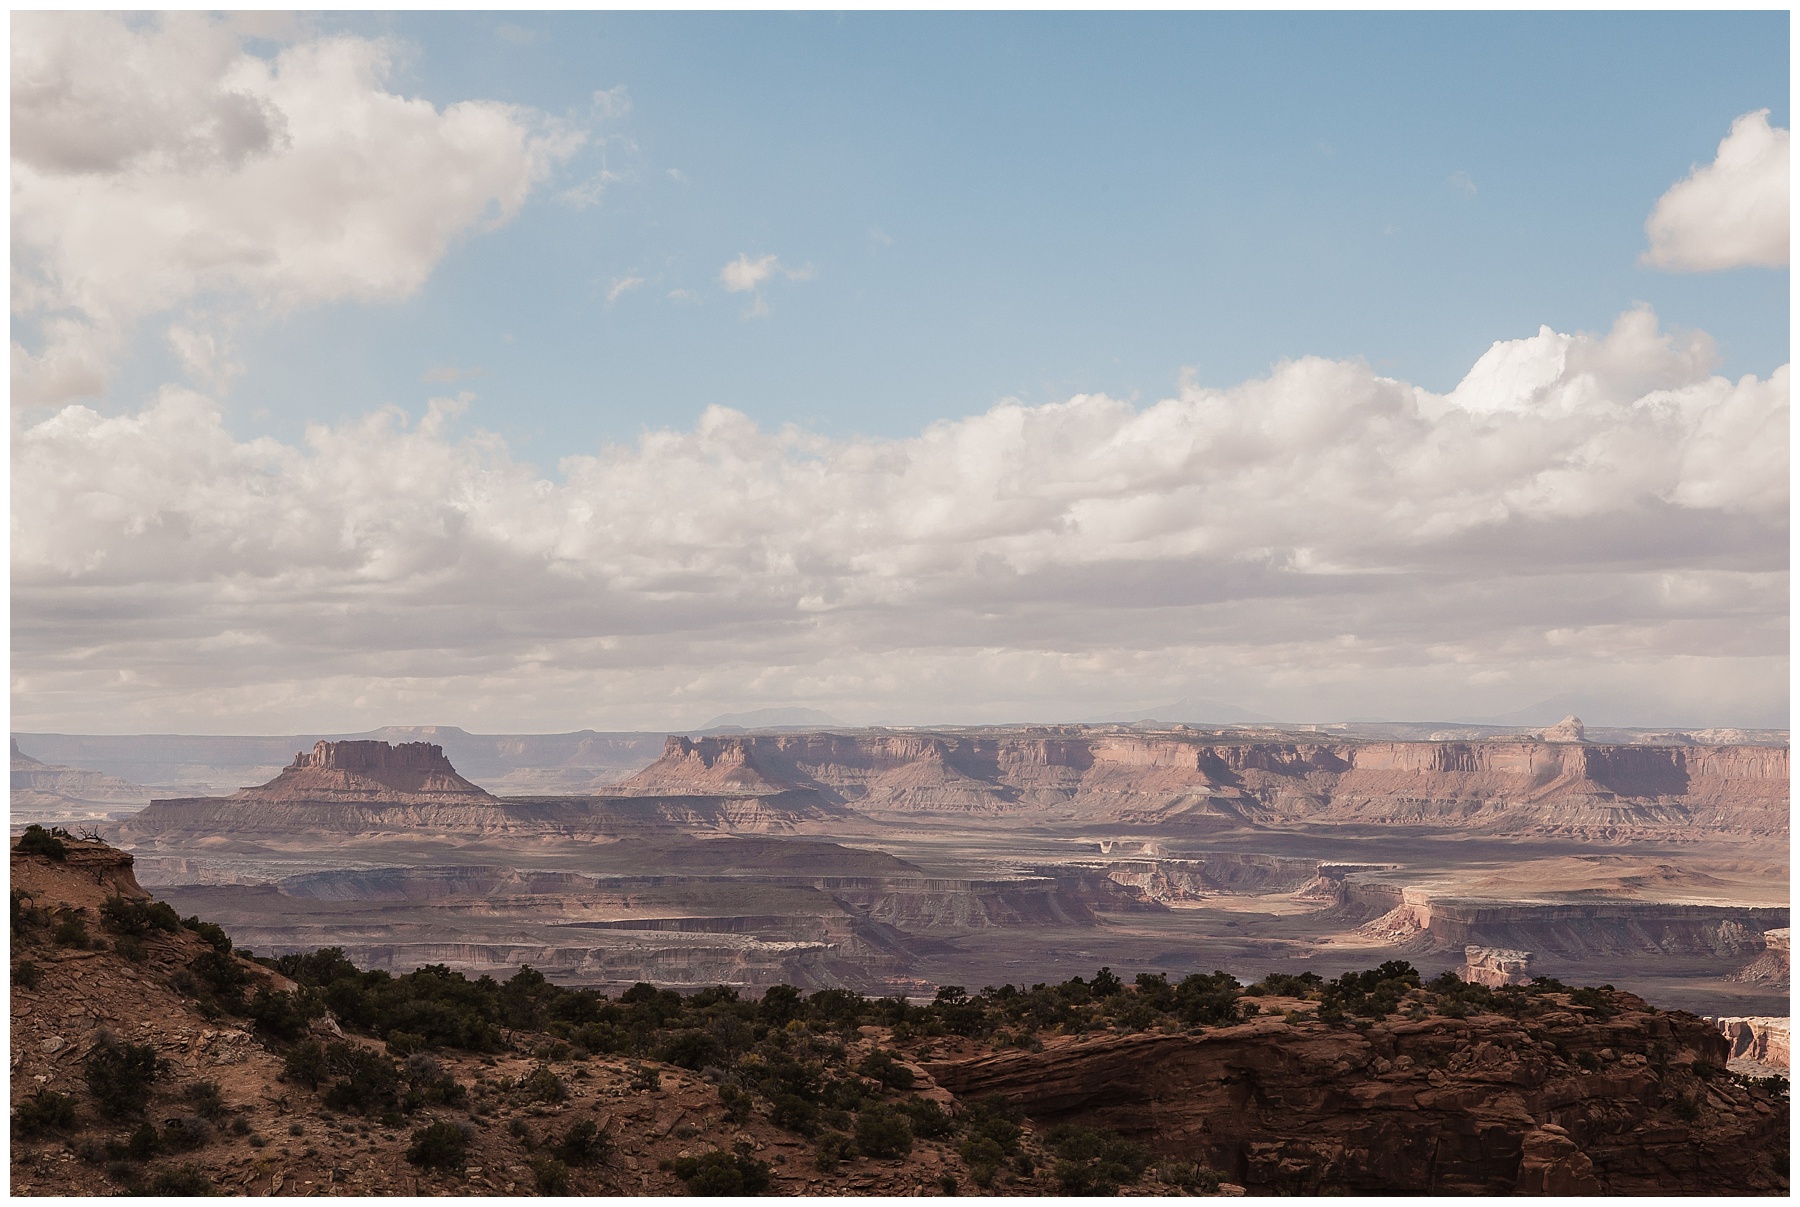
(769, 718)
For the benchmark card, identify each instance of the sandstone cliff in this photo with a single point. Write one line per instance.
(1566, 788)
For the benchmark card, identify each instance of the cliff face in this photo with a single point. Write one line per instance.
(368, 771)
(1483, 1105)
(1562, 788)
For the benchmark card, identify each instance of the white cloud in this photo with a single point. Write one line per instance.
(744, 274)
(621, 286)
(1731, 213)
(157, 163)
(1582, 512)
(612, 102)
(1462, 182)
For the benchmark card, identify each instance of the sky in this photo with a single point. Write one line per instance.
(536, 372)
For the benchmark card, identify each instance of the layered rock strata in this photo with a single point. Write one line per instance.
(1562, 1103)
(1567, 788)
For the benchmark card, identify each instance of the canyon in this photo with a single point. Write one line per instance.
(894, 861)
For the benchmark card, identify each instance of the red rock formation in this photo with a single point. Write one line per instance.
(1494, 967)
(1560, 788)
(1772, 967)
(1764, 1040)
(368, 771)
(1482, 1105)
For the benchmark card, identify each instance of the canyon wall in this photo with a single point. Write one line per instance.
(1566, 789)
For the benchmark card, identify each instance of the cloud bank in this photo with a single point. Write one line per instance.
(158, 165)
(1584, 512)
(1733, 212)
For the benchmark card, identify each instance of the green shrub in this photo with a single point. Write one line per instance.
(38, 841)
(1094, 1161)
(130, 916)
(720, 1173)
(882, 1067)
(220, 973)
(44, 1111)
(882, 1131)
(119, 1076)
(370, 1082)
(543, 1085)
(552, 1176)
(184, 1133)
(834, 1149)
(794, 1113)
(305, 1064)
(646, 1078)
(1190, 1178)
(583, 1144)
(25, 974)
(438, 1146)
(929, 1122)
(71, 929)
(180, 1181)
(212, 932)
(205, 1098)
(692, 1050)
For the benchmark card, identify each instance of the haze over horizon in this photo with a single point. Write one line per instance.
(613, 371)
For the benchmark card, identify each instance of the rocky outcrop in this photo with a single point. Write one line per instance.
(1556, 785)
(373, 772)
(1494, 967)
(1772, 967)
(1562, 1103)
(1764, 1040)
(1419, 920)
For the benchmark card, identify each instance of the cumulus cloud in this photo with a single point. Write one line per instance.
(747, 275)
(1583, 511)
(157, 163)
(622, 286)
(1731, 213)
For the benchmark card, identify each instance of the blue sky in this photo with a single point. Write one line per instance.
(533, 372)
(1033, 206)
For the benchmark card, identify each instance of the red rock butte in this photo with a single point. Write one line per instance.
(368, 771)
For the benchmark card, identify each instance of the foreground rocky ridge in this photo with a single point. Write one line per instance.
(1373, 1083)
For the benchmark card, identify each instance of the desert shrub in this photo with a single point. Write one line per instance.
(929, 1122)
(1597, 1000)
(834, 1149)
(994, 1118)
(1207, 1000)
(130, 916)
(205, 1098)
(219, 973)
(1685, 1109)
(44, 1111)
(25, 974)
(737, 1104)
(719, 1173)
(542, 1085)
(645, 1078)
(132, 949)
(983, 1156)
(369, 1081)
(179, 1181)
(119, 1076)
(38, 841)
(691, 1050)
(279, 1013)
(212, 932)
(794, 1113)
(882, 1067)
(882, 1131)
(583, 1144)
(71, 929)
(1282, 984)
(438, 1146)
(551, 1175)
(1094, 1161)
(1190, 1178)
(184, 1133)
(305, 1064)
